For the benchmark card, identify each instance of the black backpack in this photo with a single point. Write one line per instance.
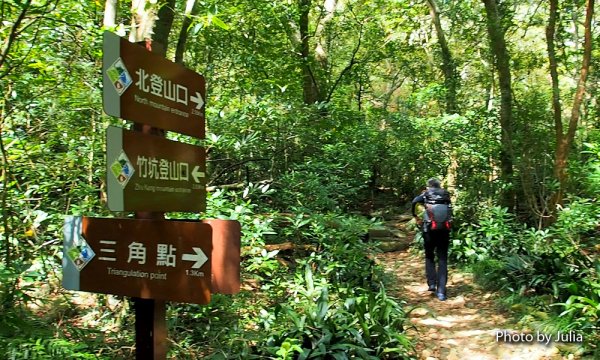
(438, 209)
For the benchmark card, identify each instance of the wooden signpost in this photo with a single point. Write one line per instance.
(148, 258)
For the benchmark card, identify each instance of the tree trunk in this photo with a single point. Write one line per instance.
(448, 65)
(191, 10)
(309, 84)
(163, 25)
(142, 21)
(321, 67)
(498, 44)
(110, 14)
(4, 203)
(565, 140)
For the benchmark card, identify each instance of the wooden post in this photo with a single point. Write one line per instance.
(150, 314)
(150, 329)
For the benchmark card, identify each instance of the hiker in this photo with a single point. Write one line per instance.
(435, 227)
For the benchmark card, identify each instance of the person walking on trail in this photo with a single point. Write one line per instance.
(435, 227)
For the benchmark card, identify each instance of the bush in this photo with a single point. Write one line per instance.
(554, 270)
(495, 234)
(320, 298)
(350, 323)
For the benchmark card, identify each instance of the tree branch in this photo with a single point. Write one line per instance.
(12, 36)
(233, 166)
(585, 67)
(348, 67)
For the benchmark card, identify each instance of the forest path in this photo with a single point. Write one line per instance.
(462, 328)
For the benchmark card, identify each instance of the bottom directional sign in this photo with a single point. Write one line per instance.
(149, 259)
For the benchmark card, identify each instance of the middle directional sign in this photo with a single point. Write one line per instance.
(150, 173)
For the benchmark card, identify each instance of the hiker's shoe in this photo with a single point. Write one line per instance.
(441, 297)
(432, 288)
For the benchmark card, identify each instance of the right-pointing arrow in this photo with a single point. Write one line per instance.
(198, 100)
(199, 258)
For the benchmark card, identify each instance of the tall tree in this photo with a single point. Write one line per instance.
(311, 92)
(164, 23)
(191, 9)
(448, 64)
(110, 13)
(22, 23)
(496, 33)
(142, 21)
(564, 139)
(321, 74)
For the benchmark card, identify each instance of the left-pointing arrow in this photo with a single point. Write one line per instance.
(197, 174)
(199, 258)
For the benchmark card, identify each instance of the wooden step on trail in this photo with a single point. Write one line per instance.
(392, 235)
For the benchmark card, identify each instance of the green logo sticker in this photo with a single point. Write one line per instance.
(119, 76)
(122, 169)
(80, 254)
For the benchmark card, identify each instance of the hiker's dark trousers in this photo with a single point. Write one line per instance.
(436, 242)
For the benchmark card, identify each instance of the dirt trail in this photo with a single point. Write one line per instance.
(462, 328)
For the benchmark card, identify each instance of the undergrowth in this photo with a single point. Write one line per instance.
(322, 299)
(550, 277)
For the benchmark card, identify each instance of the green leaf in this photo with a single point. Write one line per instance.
(323, 305)
(215, 20)
(308, 277)
(340, 356)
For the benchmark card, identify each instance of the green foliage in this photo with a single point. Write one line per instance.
(552, 270)
(302, 165)
(24, 335)
(493, 234)
(42, 349)
(584, 308)
(316, 186)
(589, 171)
(353, 323)
(326, 308)
(311, 302)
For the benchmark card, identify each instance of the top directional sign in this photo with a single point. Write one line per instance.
(146, 88)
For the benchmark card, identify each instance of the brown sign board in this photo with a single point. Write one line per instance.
(148, 259)
(146, 88)
(150, 173)
(225, 258)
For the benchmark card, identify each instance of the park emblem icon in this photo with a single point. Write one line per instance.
(122, 169)
(119, 76)
(80, 253)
